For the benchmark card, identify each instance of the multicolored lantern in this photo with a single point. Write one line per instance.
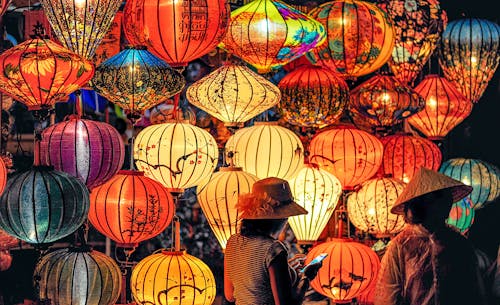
(461, 215)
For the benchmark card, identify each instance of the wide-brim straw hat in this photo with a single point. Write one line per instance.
(271, 198)
(426, 181)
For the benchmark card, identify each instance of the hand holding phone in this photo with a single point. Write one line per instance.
(318, 259)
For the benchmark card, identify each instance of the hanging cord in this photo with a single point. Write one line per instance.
(176, 232)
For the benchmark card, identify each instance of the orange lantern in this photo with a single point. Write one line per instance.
(445, 107)
(3, 175)
(360, 37)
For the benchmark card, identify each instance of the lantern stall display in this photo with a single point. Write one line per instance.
(461, 215)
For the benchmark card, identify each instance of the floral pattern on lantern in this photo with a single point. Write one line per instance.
(461, 215)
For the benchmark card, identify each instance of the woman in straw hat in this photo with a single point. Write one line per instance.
(429, 263)
(256, 270)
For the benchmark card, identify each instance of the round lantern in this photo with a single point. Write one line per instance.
(360, 37)
(418, 26)
(268, 34)
(266, 150)
(385, 101)
(78, 276)
(173, 278)
(5, 260)
(468, 55)
(318, 192)
(369, 207)
(3, 175)
(43, 205)
(80, 24)
(350, 154)
(405, 154)
(130, 208)
(482, 176)
(136, 80)
(445, 107)
(39, 73)
(90, 150)
(349, 269)
(312, 96)
(176, 31)
(233, 94)
(218, 199)
(178, 155)
(461, 215)
(7, 241)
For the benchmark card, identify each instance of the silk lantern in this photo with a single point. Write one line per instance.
(3, 175)
(468, 55)
(445, 107)
(360, 37)
(461, 215)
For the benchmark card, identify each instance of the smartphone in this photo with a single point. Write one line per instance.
(317, 259)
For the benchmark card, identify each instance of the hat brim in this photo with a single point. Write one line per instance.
(284, 211)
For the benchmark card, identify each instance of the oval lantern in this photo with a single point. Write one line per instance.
(461, 215)
(349, 269)
(78, 276)
(484, 177)
(360, 37)
(369, 207)
(3, 175)
(312, 96)
(173, 278)
(350, 154)
(130, 208)
(468, 55)
(5, 260)
(266, 150)
(43, 205)
(176, 31)
(445, 107)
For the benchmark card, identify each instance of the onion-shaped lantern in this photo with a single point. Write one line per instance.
(80, 25)
(176, 31)
(173, 278)
(405, 154)
(131, 208)
(266, 150)
(445, 107)
(268, 34)
(312, 96)
(233, 94)
(40, 73)
(461, 215)
(418, 26)
(468, 55)
(318, 192)
(360, 37)
(136, 80)
(3, 175)
(349, 269)
(178, 155)
(43, 205)
(350, 154)
(484, 177)
(5, 260)
(78, 276)
(369, 207)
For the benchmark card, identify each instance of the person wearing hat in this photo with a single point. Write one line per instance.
(429, 263)
(256, 270)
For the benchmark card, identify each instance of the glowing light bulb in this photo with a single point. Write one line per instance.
(432, 102)
(466, 180)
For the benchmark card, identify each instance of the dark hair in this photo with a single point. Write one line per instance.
(416, 210)
(261, 226)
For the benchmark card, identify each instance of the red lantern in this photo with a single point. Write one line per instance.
(7, 241)
(3, 175)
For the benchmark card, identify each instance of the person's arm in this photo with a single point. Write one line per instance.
(390, 279)
(228, 286)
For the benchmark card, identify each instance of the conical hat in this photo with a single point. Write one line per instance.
(426, 181)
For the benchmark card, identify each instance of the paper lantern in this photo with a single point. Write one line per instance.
(233, 94)
(43, 205)
(360, 37)
(312, 96)
(136, 80)
(405, 154)
(218, 199)
(266, 150)
(78, 276)
(5, 260)
(468, 55)
(445, 107)
(350, 154)
(80, 25)
(268, 34)
(482, 176)
(418, 26)
(461, 215)
(130, 208)
(385, 101)
(178, 155)
(173, 278)
(39, 73)
(318, 192)
(348, 270)
(3, 175)
(369, 207)
(176, 31)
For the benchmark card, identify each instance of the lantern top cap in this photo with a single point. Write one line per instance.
(230, 169)
(130, 173)
(135, 47)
